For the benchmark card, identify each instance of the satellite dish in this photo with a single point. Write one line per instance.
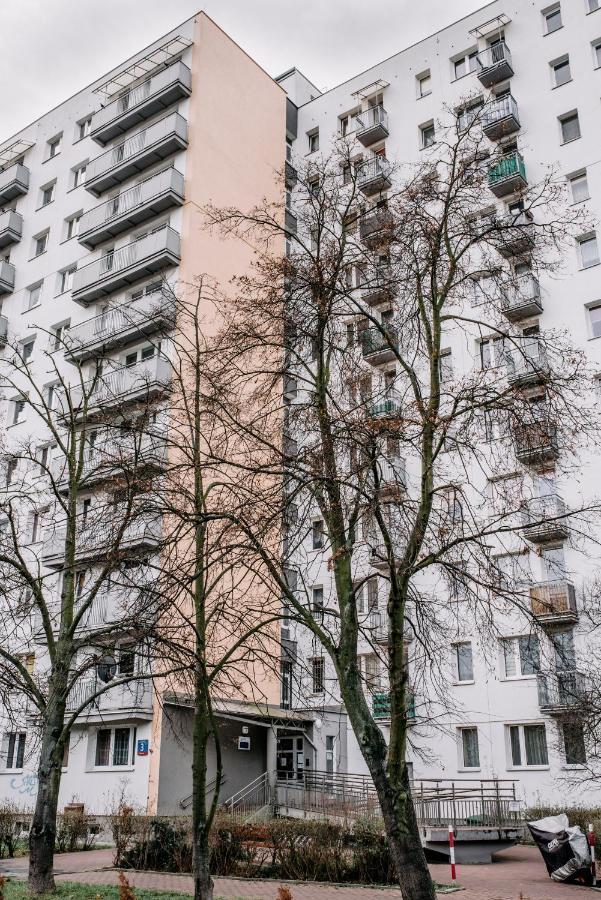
(106, 669)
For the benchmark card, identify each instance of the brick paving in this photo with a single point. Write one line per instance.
(515, 872)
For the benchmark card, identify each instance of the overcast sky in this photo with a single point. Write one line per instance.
(52, 48)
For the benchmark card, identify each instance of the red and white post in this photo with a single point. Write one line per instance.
(591, 843)
(452, 853)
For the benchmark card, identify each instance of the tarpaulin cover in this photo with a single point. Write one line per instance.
(564, 849)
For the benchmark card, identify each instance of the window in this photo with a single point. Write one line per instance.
(11, 471)
(317, 534)
(597, 54)
(13, 750)
(79, 175)
(33, 296)
(552, 19)
(313, 138)
(73, 226)
(113, 747)
(318, 674)
(127, 658)
(593, 5)
(48, 194)
(465, 64)
(594, 317)
(347, 123)
(66, 279)
(560, 71)
(84, 128)
(470, 751)
(58, 335)
(36, 522)
(27, 350)
(463, 658)
(528, 745)
(521, 656)
(18, 410)
(51, 395)
(570, 127)
(468, 114)
(427, 135)
(54, 146)
(371, 672)
(588, 250)
(424, 84)
(579, 187)
(317, 599)
(491, 352)
(573, 744)
(565, 653)
(41, 244)
(286, 676)
(445, 365)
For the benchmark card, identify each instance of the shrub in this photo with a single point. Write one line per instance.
(10, 815)
(73, 831)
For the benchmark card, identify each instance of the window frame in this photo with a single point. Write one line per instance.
(583, 240)
(318, 675)
(564, 119)
(313, 140)
(518, 728)
(111, 765)
(517, 645)
(457, 648)
(558, 65)
(549, 13)
(463, 766)
(578, 177)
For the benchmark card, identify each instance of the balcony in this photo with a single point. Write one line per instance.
(392, 474)
(493, 65)
(379, 554)
(507, 175)
(521, 298)
(387, 406)
(141, 383)
(126, 265)
(500, 118)
(121, 325)
(378, 345)
(545, 519)
(536, 442)
(14, 182)
(554, 603)
(140, 456)
(126, 699)
(290, 174)
(137, 153)
(290, 222)
(372, 125)
(132, 207)
(561, 692)
(3, 331)
(11, 228)
(98, 539)
(376, 227)
(516, 235)
(141, 102)
(527, 363)
(7, 277)
(381, 706)
(374, 175)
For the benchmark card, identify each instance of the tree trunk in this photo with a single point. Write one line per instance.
(43, 826)
(203, 883)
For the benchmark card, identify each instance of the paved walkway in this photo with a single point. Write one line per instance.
(516, 872)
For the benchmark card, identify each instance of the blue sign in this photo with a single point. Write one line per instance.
(142, 748)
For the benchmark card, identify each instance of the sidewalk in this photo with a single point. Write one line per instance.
(517, 870)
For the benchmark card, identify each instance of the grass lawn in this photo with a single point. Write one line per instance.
(69, 890)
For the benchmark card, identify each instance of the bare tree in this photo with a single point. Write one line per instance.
(398, 449)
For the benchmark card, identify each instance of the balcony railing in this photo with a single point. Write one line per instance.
(137, 153)
(390, 404)
(374, 175)
(133, 696)
(134, 456)
(521, 299)
(98, 538)
(141, 382)
(500, 117)
(494, 64)
(121, 325)
(379, 344)
(14, 182)
(139, 103)
(372, 125)
(3, 331)
(516, 234)
(132, 207)
(393, 473)
(562, 691)
(553, 602)
(545, 519)
(11, 228)
(536, 441)
(376, 226)
(7, 277)
(381, 705)
(126, 265)
(527, 363)
(508, 174)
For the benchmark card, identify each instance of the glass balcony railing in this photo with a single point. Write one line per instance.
(95, 539)
(508, 174)
(521, 298)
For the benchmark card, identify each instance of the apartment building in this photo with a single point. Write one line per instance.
(537, 70)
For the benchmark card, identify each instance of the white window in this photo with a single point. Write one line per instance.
(58, 335)
(588, 250)
(35, 526)
(424, 84)
(491, 352)
(427, 135)
(114, 747)
(520, 656)
(445, 365)
(464, 661)
(73, 226)
(553, 563)
(18, 410)
(317, 600)
(470, 750)
(51, 395)
(348, 123)
(528, 746)
(41, 244)
(313, 138)
(552, 19)
(79, 175)
(579, 187)
(84, 128)
(468, 114)
(465, 64)
(318, 675)
(33, 296)
(597, 54)
(54, 146)
(574, 747)
(594, 318)
(13, 750)
(560, 71)
(11, 470)
(48, 194)
(370, 665)
(27, 350)
(66, 279)
(570, 127)
(317, 534)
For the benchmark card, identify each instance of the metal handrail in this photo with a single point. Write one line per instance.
(120, 153)
(492, 56)
(169, 179)
(120, 318)
(374, 167)
(498, 109)
(135, 96)
(369, 118)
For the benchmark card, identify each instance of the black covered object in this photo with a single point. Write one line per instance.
(564, 849)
